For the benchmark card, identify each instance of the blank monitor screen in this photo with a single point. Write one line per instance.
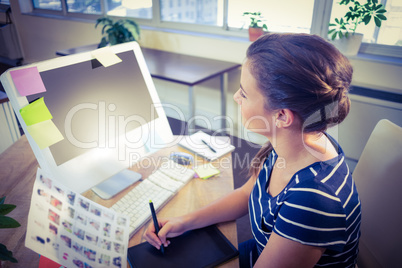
(87, 100)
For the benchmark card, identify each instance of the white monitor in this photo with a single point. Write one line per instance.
(110, 117)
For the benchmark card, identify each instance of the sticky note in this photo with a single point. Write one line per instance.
(28, 81)
(106, 56)
(35, 112)
(45, 133)
(206, 171)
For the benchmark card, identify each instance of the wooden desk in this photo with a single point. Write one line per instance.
(182, 69)
(18, 170)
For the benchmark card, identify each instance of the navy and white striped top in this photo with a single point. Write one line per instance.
(318, 207)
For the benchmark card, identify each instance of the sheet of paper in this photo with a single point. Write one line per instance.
(106, 56)
(206, 171)
(35, 112)
(28, 81)
(72, 230)
(45, 133)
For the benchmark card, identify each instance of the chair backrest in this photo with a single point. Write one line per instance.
(378, 177)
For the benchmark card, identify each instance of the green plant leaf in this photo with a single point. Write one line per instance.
(103, 42)
(6, 208)
(6, 255)
(377, 22)
(381, 11)
(366, 19)
(7, 222)
(2, 200)
(104, 20)
(104, 28)
(334, 36)
(378, 7)
(112, 39)
(381, 17)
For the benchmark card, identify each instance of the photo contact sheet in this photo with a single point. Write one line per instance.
(72, 230)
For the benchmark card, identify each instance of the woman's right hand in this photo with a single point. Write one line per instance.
(169, 227)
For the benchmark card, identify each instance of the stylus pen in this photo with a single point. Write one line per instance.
(156, 224)
(209, 146)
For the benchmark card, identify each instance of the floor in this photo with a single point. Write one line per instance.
(241, 156)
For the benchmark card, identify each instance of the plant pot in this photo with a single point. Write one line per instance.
(349, 46)
(254, 33)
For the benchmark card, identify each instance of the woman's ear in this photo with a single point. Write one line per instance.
(284, 118)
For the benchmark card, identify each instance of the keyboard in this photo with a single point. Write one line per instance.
(159, 187)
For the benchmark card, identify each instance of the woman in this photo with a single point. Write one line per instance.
(303, 204)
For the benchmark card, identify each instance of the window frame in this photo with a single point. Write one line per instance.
(320, 20)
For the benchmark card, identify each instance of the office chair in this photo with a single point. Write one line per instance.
(378, 177)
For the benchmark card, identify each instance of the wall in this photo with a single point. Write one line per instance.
(42, 37)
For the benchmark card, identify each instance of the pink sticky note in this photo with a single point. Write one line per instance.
(28, 81)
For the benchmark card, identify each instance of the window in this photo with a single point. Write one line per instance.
(225, 17)
(192, 11)
(290, 19)
(47, 4)
(84, 6)
(130, 8)
(390, 32)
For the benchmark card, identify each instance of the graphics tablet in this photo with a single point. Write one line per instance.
(205, 247)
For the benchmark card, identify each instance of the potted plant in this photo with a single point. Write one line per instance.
(256, 27)
(121, 31)
(343, 31)
(6, 222)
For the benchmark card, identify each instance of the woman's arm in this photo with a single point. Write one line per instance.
(283, 252)
(227, 208)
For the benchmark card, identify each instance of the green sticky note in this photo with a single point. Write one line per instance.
(35, 112)
(45, 133)
(206, 171)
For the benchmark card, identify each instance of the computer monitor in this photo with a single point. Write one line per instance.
(110, 117)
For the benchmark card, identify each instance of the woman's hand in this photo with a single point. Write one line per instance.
(169, 227)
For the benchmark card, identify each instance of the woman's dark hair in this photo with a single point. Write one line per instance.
(305, 74)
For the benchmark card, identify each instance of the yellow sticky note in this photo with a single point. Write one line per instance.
(35, 112)
(106, 56)
(206, 171)
(45, 133)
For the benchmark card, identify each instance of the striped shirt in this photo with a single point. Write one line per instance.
(318, 207)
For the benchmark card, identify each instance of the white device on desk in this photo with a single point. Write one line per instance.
(110, 117)
(111, 187)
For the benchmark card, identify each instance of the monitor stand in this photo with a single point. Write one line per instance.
(117, 183)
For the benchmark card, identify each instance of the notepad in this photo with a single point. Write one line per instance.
(205, 247)
(195, 144)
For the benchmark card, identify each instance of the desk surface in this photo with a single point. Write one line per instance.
(174, 67)
(18, 166)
